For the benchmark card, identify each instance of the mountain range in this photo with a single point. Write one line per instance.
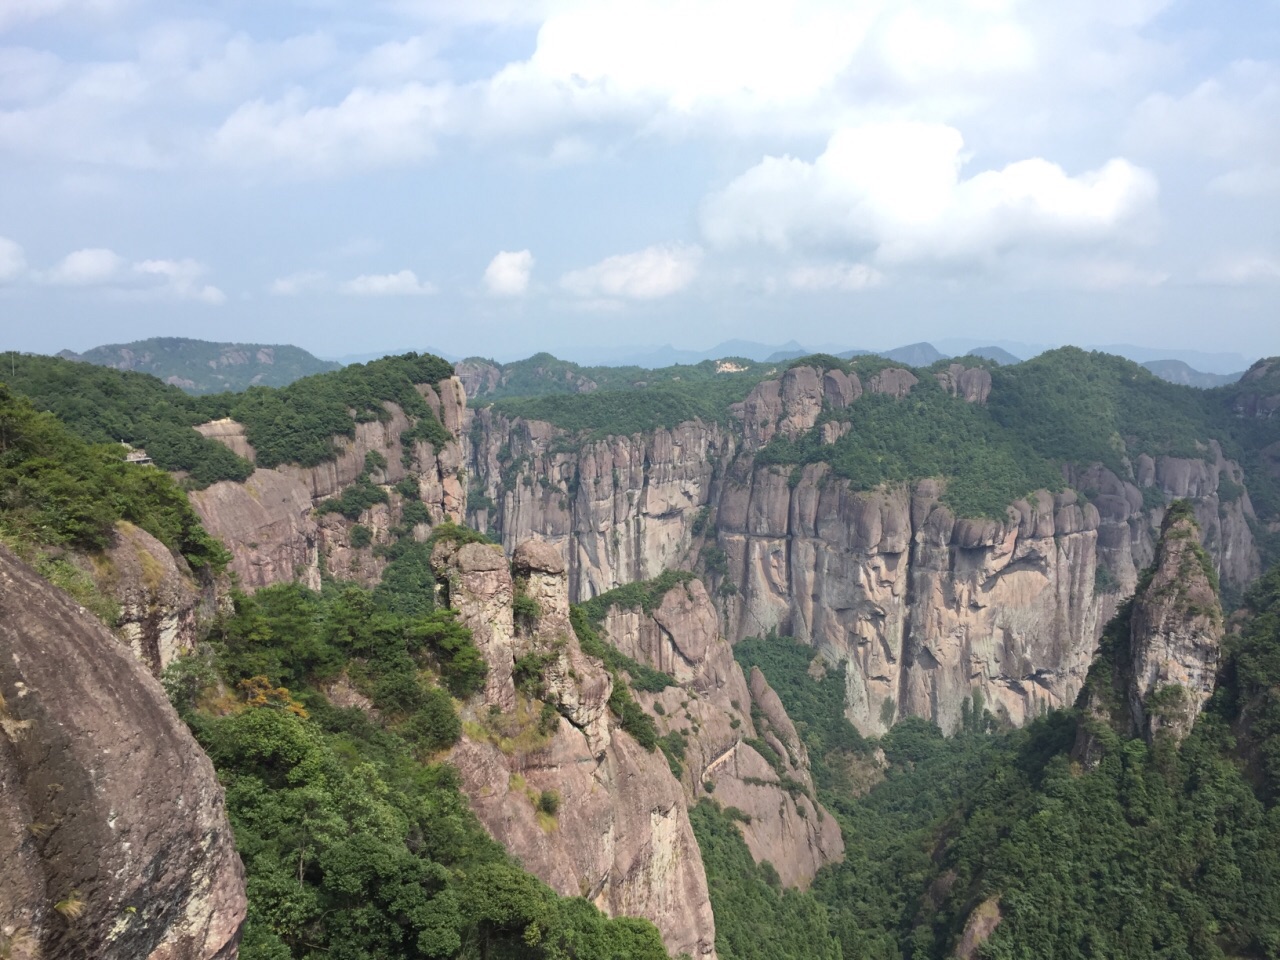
(809, 658)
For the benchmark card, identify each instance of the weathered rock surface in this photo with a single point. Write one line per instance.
(925, 609)
(115, 842)
(158, 597)
(268, 523)
(1159, 660)
(711, 708)
(1176, 634)
(971, 383)
(619, 834)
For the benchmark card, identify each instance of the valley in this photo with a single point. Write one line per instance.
(819, 657)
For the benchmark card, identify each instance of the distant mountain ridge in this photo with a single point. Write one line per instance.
(1178, 371)
(199, 366)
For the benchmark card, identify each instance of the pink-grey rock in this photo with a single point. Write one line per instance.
(109, 802)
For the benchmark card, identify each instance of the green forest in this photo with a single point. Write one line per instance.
(293, 424)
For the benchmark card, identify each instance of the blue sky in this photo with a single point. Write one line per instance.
(500, 177)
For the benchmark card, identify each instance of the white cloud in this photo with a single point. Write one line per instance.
(404, 283)
(146, 279)
(180, 279)
(13, 262)
(89, 267)
(369, 128)
(895, 188)
(837, 276)
(648, 274)
(305, 281)
(14, 12)
(1229, 118)
(508, 273)
(1243, 270)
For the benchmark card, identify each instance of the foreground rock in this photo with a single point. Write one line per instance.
(114, 844)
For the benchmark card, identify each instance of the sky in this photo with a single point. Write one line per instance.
(497, 177)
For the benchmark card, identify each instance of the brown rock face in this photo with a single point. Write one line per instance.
(971, 383)
(582, 805)
(1175, 635)
(712, 704)
(157, 595)
(114, 843)
(925, 609)
(268, 523)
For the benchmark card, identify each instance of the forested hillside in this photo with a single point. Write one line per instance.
(1005, 845)
(328, 712)
(295, 424)
(198, 366)
(544, 375)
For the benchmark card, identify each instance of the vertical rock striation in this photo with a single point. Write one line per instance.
(581, 803)
(925, 608)
(739, 745)
(115, 843)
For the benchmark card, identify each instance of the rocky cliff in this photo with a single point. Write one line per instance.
(159, 599)
(923, 606)
(114, 843)
(1159, 660)
(269, 523)
(736, 742)
(548, 770)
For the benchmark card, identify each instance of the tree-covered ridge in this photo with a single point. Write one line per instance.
(56, 490)
(1154, 852)
(625, 412)
(545, 375)
(927, 433)
(102, 405)
(296, 424)
(356, 838)
(199, 366)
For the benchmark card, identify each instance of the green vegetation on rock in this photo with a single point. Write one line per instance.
(1154, 852)
(296, 424)
(356, 839)
(625, 412)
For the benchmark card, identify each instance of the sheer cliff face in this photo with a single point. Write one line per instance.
(582, 805)
(1175, 636)
(1160, 657)
(114, 843)
(925, 608)
(711, 707)
(268, 522)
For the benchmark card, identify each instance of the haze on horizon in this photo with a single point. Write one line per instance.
(498, 178)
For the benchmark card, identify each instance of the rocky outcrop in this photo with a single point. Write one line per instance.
(618, 510)
(115, 842)
(1160, 655)
(973, 384)
(751, 759)
(1176, 634)
(158, 597)
(550, 775)
(268, 522)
